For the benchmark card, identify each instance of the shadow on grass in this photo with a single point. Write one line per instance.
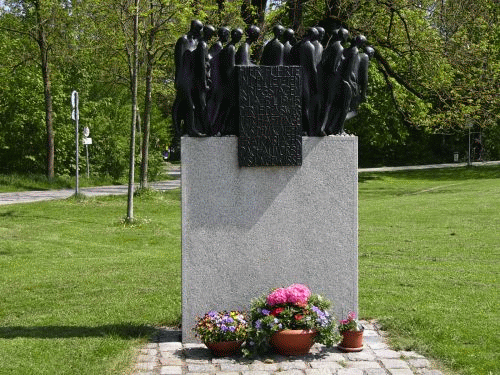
(441, 174)
(124, 331)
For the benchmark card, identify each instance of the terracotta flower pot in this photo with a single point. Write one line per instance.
(352, 341)
(224, 348)
(293, 341)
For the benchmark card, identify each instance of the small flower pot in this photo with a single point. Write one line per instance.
(224, 348)
(352, 341)
(293, 341)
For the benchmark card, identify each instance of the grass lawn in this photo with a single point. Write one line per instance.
(79, 290)
(429, 259)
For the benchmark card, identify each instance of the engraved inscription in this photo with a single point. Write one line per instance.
(270, 116)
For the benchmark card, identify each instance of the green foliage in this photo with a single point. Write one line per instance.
(437, 67)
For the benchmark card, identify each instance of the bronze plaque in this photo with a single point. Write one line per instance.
(270, 126)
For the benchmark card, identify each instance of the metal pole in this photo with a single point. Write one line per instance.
(88, 166)
(469, 146)
(76, 117)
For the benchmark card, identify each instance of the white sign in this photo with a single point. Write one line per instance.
(86, 132)
(74, 105)
(87, 141)
(74, 99)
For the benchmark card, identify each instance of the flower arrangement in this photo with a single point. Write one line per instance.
(222, 326)
(295, 308)
(350, 324)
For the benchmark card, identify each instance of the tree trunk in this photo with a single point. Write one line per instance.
(147, 107)
(41, 39)
(130, 201)
(295, 15)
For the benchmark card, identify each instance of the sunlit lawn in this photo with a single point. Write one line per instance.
(79, 290)
(429, 249)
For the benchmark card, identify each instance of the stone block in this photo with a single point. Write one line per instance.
(419, 362)
(393, 363)
(387, 353)
(350, 371)
(247, 230)
(171, 370)
(400, 371)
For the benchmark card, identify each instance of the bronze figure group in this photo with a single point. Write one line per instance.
(334, 77)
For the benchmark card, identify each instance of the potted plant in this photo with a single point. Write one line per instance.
(352, 334)
(222, 332)
(291, 320)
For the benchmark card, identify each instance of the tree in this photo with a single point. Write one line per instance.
(133, 75)
(39, 21)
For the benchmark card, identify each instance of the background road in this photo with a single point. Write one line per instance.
(36, 196)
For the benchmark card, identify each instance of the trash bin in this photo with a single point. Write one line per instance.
(455, 157)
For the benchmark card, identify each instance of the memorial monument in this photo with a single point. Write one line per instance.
(269, 178)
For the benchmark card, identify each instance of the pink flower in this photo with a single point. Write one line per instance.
(351, 315)
(277, 297)
(298, 294)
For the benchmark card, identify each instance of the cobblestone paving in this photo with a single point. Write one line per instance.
(166, 355)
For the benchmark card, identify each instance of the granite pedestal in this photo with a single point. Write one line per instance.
(247, 230)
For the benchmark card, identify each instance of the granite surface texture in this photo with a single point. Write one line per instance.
(247, 230)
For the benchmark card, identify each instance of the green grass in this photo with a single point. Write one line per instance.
(16, 182)
(79, 289)
(429, 262)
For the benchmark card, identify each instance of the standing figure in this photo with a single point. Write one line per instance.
(332, 56)
(318, 46)
(243, 53)
(183, 110)
(288, 41)
(223, 33)
(222, 96)
(273, 51)
(202, 79)
(344, 89)
(303, 54)
(362, 80)
(333, 53)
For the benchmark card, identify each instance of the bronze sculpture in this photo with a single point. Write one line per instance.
(274, 49)
(334, 78)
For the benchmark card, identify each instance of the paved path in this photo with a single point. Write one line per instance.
(166, 355)
(36, 196)
(429, 166)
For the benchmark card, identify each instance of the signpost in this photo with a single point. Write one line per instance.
(75, 116)
(87, 141)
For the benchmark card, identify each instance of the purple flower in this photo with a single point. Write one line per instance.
(224, 328)
(317, 310)
(232, 328)
(265, 312)
(213, 314)
(227, 320)
(258, 324)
